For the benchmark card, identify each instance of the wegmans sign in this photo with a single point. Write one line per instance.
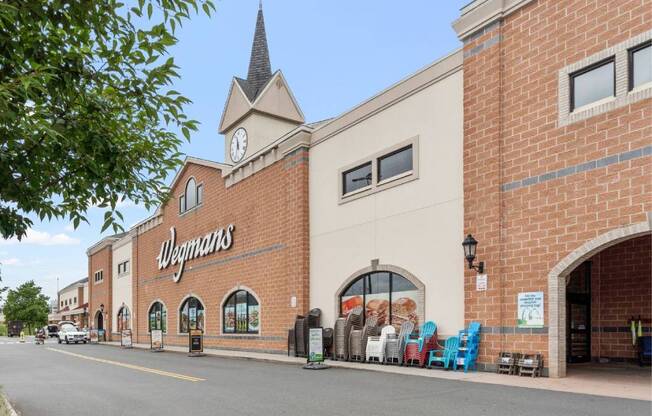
(172, 254)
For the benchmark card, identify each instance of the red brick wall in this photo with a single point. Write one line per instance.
(511, 133)
(100, 293)
(621, 285)
(269, 254)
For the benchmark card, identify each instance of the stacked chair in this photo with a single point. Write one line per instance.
(418, 347)
(314, 318)
(358, 339)
(376, 344)
(343, 328)
(530, 365)
(395, 346)
(328, 342)
(444, 356)
(300, 336)
(467, 352)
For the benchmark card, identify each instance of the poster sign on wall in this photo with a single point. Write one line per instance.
(530, 310)
(156, 340)
(481, 283)
(316, 345)
(196, 342)
(125, 339)
(94, 336)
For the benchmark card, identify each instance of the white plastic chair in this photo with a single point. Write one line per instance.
(376, 345)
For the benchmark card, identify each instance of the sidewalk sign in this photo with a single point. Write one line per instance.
(100, 335)
(156, 340)
(125, 339)
(315, 359)
(195, 343)
(94, 336)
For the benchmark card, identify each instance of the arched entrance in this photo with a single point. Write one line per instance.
(575, 264)
(99, 320)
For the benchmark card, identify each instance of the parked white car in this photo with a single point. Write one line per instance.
(69, 333)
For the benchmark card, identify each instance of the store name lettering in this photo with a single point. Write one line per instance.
(172, 254)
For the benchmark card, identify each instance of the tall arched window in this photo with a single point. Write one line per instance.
(191, 315)
(124, 319)
(390, 296)
(191, 194)
(241, 314)
(158, 317)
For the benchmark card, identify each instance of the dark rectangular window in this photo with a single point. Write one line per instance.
(640, 65)
(182, 204)
(395, 163)
(593, 83)
(356, 178)
(200, 194)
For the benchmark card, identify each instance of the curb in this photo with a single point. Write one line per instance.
(10, 408)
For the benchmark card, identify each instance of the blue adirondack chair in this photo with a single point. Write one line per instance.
(427, 330)
(467, 352)
(447, 355)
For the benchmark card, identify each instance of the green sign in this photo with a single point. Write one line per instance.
(316, 345)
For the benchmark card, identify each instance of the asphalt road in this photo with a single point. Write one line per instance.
(104, 380)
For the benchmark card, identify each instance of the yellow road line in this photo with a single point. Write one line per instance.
(130, 366)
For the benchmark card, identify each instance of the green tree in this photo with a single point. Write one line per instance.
(26, 303)
(87, 112)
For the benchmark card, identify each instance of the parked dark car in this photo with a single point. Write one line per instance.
(53, 331)
(14, 328)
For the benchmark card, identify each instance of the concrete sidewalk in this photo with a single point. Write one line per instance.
(583, 381)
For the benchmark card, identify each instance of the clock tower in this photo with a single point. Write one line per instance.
(259, 110)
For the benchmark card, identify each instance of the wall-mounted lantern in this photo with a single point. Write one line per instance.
(470, 244)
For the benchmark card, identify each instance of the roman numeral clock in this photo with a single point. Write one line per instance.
(238, 145)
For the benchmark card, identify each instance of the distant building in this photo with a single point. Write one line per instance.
(71, 304)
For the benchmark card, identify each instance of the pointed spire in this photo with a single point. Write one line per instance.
(260, 68)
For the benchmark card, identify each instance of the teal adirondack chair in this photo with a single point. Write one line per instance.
(447, 355)
(427, 330)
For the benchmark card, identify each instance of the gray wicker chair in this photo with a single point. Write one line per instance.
(394, 347)
(358, 339)
(342, 333)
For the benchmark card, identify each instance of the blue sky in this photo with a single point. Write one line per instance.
(334, 55)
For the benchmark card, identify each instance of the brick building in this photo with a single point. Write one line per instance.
(539, 145)
(557, 168)
(228, 252)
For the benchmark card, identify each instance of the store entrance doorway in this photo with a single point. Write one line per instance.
(578, 312)
(99, 320)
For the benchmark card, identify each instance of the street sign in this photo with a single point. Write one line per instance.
(156, 340)
(125, 339)
(195, 342)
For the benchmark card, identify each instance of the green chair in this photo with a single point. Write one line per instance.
(445, 356)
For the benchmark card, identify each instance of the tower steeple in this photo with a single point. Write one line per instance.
(260, 68)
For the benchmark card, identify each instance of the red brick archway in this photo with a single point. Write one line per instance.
(558, 279)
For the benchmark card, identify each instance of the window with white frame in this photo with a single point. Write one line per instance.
(385, 169)
(192, 197)
(123, 268)
(593, 83)
(612, 78)
(98, 276)
(640, 65)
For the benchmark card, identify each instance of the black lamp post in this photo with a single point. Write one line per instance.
(470, 244)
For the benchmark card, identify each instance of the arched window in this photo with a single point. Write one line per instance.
(191, 194)
(158, 317)
(241, 314)
(191, 315)
(124, 319)
(390, 296)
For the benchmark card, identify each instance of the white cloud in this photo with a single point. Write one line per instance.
(10, 262)
(43, 238)
(70, 228)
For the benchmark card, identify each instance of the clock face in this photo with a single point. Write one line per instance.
(238, 144)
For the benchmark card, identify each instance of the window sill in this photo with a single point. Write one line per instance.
(594, 104)
(395, 178)
(240, 334)
(195, 208)
(640, 88)
(357, 192)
